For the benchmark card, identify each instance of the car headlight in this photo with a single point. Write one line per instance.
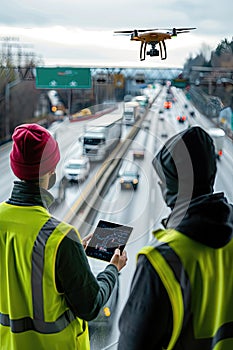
(121, 181)
(135, 181)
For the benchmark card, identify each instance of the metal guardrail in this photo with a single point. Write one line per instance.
(210, 106)
(112, 346)
(207, 105)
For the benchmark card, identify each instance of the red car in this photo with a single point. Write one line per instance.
(167, 104)
(181, 118)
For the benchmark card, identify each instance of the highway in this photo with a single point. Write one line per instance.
(143, 209)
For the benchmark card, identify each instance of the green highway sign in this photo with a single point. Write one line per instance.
(63, 78)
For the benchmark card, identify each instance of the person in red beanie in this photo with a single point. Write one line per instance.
(48, 292)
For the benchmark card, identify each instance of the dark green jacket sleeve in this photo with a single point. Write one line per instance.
(85, 294)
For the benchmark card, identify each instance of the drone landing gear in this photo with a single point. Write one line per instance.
(153, 51)
(163, 50)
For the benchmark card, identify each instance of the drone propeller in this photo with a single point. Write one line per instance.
(183, 31)
(146, 30)
(179, 29)
(132, 31)
(120, 33)
(175, 31)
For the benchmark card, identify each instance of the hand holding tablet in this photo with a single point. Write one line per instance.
(106, 238)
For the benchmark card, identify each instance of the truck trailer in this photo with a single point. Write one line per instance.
(101, 136)
(131, 112)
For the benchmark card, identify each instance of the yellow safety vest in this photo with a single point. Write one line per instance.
(199, 283)
(33, 314)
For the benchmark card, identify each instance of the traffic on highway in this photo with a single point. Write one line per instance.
(119, 184)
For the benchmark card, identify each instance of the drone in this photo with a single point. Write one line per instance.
(152, 38)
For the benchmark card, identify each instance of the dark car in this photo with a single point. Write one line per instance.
(128, 98)
(146, 125)
(192, 113)
(139, 153)
(129, 176)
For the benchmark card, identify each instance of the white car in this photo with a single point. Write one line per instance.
(77, 169)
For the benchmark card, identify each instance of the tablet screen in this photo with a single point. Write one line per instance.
(106, 238)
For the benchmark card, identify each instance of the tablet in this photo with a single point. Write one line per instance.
(106, 238)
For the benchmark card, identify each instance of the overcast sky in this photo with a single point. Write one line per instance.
(74, 32)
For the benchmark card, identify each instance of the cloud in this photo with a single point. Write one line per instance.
(115, 14)
(62, 30)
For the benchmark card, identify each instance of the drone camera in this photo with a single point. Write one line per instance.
(153, 52)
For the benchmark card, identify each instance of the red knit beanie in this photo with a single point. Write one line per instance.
(34, 153)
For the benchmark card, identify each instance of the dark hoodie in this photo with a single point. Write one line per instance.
(186, 166)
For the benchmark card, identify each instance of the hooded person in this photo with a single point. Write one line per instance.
(186, 166)
(180, 293)
(48, 292)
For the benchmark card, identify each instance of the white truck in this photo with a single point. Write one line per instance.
(131, 112)
(101, 136)
(217, 135)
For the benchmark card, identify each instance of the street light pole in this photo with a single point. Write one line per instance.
(7, 111)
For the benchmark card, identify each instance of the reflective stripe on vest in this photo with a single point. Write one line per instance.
(176, 281)
(173, 289)
(27, 324)
(37, 323)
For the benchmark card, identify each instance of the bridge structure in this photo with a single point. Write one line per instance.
(130, 80)
(104, 74)
(149, 74)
